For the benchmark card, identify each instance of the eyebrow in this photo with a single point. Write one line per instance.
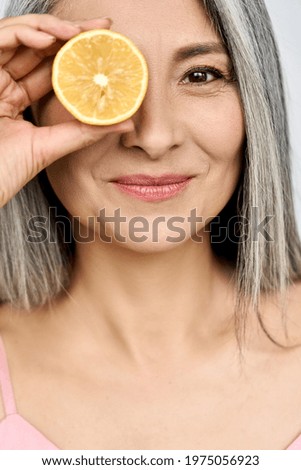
(196, 49)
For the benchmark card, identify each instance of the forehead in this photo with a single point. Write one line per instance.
(149, 23)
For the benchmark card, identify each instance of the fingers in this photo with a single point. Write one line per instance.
(39, 20)
(69, 137)
(50, 24)
(27, 51)
(35, 21)
(20, 62)
(13, 31)
(16, 31)
(26, 60)
(37, 83)
(94, 23)
(12, 37)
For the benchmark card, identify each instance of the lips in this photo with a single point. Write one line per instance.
(152, 188)
(147, 180)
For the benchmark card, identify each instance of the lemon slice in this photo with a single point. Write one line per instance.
(100, 77)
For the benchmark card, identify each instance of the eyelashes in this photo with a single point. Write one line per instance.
(200, 76)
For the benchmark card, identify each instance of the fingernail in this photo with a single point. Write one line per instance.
(73, 25)
(47, 36)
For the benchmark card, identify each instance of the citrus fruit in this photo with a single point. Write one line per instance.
(100, 77)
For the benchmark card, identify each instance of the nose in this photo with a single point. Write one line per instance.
(157, 129)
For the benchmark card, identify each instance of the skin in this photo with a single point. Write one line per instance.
(162, 313)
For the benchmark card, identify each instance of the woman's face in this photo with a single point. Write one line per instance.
(190, 123)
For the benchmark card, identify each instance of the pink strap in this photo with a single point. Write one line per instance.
(5, 383)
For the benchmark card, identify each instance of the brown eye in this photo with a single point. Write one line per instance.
(198, 77)
(202, 76)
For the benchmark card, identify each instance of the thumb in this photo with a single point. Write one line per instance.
(54, 142)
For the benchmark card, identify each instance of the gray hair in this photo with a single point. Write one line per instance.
(33, 274)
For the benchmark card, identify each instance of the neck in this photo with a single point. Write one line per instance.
(150, 303)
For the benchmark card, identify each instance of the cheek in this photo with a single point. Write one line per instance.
(221, 138)
(221, 127)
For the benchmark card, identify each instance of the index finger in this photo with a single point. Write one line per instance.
(61, 29)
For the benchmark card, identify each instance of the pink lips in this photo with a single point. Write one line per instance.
(150, 188)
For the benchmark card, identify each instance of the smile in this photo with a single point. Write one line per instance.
(155, 192)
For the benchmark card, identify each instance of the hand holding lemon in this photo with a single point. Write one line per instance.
(100, 78)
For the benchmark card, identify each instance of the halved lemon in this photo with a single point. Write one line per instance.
(100, 77)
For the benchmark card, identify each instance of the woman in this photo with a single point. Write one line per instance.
(165, 322)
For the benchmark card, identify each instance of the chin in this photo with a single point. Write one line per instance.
(148, 247)
(145, 242)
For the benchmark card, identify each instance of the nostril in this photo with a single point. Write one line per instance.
(137, 147)
(126, 141)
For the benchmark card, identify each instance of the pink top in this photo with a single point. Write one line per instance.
(16, 433)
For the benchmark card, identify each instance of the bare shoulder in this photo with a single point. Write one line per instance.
(4, 319)
(16, 326)
(282, 317)
(9, 318)
(11, 321)
(5, 315)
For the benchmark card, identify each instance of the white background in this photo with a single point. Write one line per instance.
(286, 17)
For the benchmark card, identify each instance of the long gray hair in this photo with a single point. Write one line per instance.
(33, 274)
